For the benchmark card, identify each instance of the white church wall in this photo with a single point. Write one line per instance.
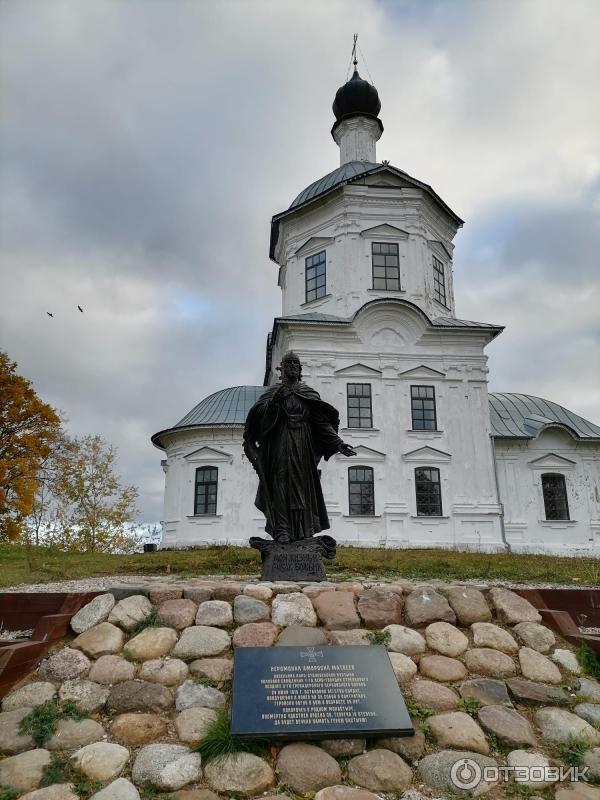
(520, 467)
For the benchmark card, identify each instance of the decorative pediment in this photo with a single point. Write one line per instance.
(386, 231)
(208, 454)
(313, 245)
(358, 371)
(427, 455)
(440, 248)
(552, 461)
(422, 372)
(366, 454)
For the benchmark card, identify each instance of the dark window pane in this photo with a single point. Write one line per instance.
(359, 408)
(423, 408)
(361, 493)
(556, 503)
(205, 494)
(315, 276)
(428, 492)
(385, 265)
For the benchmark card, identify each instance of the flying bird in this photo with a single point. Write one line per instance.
(49, 314)
(80, 308)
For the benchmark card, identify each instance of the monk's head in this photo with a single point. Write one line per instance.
(291, 369)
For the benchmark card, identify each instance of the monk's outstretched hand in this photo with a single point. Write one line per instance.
(346, 450)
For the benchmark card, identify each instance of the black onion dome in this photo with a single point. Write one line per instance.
(357, 96)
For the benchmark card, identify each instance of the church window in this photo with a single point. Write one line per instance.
(205, 500)
(362, 495)
(422, 399)
(428, 491)
(554, 490)
(315, 276)
(386, 266)
(360, 412)
(439, 281)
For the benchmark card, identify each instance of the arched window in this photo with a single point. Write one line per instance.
(428, 491)
(362, 495)
(205, 498)
(554, 490)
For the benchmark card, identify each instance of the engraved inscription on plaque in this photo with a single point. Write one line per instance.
(314, 691)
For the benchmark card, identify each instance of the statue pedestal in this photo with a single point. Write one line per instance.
(295, 561)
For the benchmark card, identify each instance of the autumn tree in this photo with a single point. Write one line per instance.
(28, 430)
(95, 512)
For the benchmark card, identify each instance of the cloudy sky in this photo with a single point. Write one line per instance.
(145, 145)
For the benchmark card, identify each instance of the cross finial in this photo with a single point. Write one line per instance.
(354, 59)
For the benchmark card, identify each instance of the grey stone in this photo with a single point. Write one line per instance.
(111, 669)
(533, 693)
(93, 613)
(300, 636)
(350, 638)
(567, 660)
(493, 663)
(536, 667)
(192, 724)
(379, 608)
(380, 771)
(446, 639)
(425, 605)
(409, 747)
(151, 643)
(166, 671)
(345, 793)
(486, 634)
(101, 761)
(191, 694)
(589, 689)
(228, 590)
(214, 612)
(342, 748)
(162, 593)
(101, 640)
(436, 769)
(578, 790)
(404, 667)
(507, 724)
(129, 612)
(24, 771)
(87, 695)
(435, 696)
(255, 634)
(30, 695)
(469, 605)
(70, 734)
(536, 636)
(166, 766)
(58, 791)
(135, 729)
(241, 774)
(121, 789)
(139, 696)
(405, 640)
(122, 590)
(442, 668)
(590, 712)
(294, 608)
(249, 609)
(591, 760)
(200, 641)
(178, 614)
(258, 592)
(558, 725)
(218, 670)
(12, 741)
(458, 730)
(512, 608)
(525, 758)
(307, 768)
(487, 691)
(62, 666)
(198, 593)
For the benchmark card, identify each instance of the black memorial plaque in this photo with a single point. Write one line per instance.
(286, 692)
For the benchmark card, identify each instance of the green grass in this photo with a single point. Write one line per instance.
(418, 711)
(151, 621)
(218, 740)
(41, 721)
(60, 770)
(469, 705)
(571, 752)
(53, 565)
(9, 794)
(588, 661)
(379, 637)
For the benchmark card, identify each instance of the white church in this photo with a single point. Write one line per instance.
(365, 271)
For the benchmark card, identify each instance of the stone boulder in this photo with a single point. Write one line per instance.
(93, 613)
(200, 641)
(380, 771)
(166, 671)
(442, 668)
(228, 590)
(426, 605)
(191, 694)
(405, 640)
(567, 660)
(511, 608)
(342, 748)
(71, 734)
(130, 612)
(101, 640)
(446, 639)
(68, 663)
(493, 663)
(536, 636)
(378, 608)
(32, 694)
(437, 770)
(111, 669)
(294, 608)
(255, 634)
(58, 791)
(558, 726)
(409, 747)
(469, 605)
(532, 693)
(589, 689)
(12, 741)
(531, 761)
(218, 670)
(101, 761)
(345, 793)
(486, 634)
(434, 696)
(356, 637)
(136, 729)
(86, 695)
(178, 614)
(307, 768)
(301, 636)
(167, 766)
(121, 789)
(241, 774)
(590, 712)
(487, 691)
(536, 667)
(215, 613)
(458, 730)
(258, 591)
(404, 667)
(162, 593)
(507, 724)
(139, 696)
(193, 723)
(249, 609)
(151, 643)
(25, 771)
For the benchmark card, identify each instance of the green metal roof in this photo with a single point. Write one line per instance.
(513, 416)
